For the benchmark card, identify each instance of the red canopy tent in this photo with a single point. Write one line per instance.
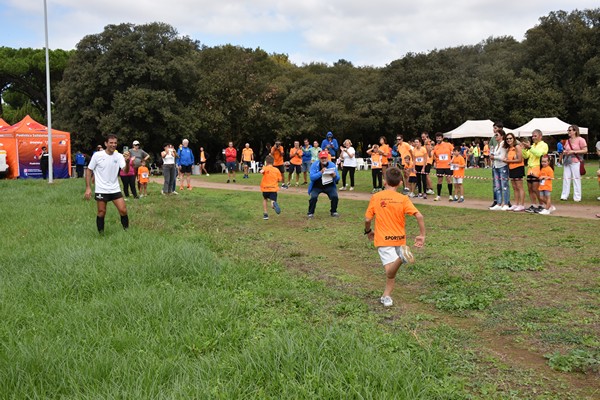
(23, 143)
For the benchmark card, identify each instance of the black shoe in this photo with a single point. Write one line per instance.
(531, 209)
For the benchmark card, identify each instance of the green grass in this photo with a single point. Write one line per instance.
(201, 298)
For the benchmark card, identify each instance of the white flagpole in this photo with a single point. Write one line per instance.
(48, 104)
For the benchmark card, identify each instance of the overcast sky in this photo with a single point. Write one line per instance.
(371, 32)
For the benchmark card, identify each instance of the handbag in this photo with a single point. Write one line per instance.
(582, 170)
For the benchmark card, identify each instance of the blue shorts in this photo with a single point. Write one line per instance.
(230, 165)
(306, 166)
(270, 195)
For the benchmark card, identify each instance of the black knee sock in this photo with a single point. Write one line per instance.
(439, 189)
(100, 224)
(450, 189)
(125, 221)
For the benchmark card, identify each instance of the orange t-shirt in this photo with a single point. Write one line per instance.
(296, 156)
(442, 153)
(458, 163)
(420, 156)
(271, 176)
(486, 150)
(376, 161)
(387, 152)
(277, 155)
(404, 150)
(410, 167)
(534, 171)
(512, 155)
(546, 184)
(247, 154)
(143, 174)
(429, 147)
(202, 157)
(390, 209)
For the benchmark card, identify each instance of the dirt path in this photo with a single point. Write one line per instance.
(563, 209)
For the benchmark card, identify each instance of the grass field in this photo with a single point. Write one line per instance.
(201, 298)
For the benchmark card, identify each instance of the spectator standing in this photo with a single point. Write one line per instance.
(386, 153)
(575, 148)
(442, 155)
(128, 177)
(404, 150)
(44, 162)
(278, 153)
(143, 178)
(185, 162)
(376, 174)
(331, 145)
(516, 171)
(532, 152)
(230, 161)
(79, 163)
(546, 178)
(314, 152)
(295, 163)
(409, 168)
(420, 154)
(203, 159)
(500, 173)
(348, 156)
(306, 159)
(428, 144)
(247, 158)
(138, 154)
(168, 156)
(324, 177)
(457, 165)
(560, 148)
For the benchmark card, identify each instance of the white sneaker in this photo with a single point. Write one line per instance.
(207, 174)
(411, 195)
(450, 198)
(343, 188)
(505, 208)
(351, 188)
(437, 198)
(552, 208)
(544, 212)
(174, 192)
(512, 208)
(496, 207)
(386, 301)
(429, 191)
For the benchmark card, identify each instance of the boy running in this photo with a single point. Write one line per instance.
(390, 208)
(269, 185)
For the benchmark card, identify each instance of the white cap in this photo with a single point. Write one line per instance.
(135, 142)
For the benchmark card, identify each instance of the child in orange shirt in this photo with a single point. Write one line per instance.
(457, 165)
(269, 185)
(390, 208)
(376, 166)
(144, 178)
(546, 177)
(410, 169)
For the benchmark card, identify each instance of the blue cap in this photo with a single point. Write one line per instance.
(329, 134)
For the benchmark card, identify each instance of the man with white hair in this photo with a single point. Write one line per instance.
(185, 161)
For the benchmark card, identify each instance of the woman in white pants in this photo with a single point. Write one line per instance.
(574, 149)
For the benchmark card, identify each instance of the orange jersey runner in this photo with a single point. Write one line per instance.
(390, 209)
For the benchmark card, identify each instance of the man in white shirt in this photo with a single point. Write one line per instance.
(105, 165)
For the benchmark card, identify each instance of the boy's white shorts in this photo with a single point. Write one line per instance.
(389, 254)
(457, 180)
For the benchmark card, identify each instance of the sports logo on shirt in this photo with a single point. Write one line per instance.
(383, 204)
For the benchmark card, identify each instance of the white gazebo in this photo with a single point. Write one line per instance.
(474, 128)
(548, 126)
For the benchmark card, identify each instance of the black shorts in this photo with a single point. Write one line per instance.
(293, 167)
(443, 172)
(412, 179)
(281, 168)
(428, 168)
(532, 179)
(107, 197)
(248, 163)
(270, 195)
(186, 169)
(516, 173)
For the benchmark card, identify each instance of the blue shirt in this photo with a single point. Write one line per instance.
(334, 146)
(306, 155)
(185, 156)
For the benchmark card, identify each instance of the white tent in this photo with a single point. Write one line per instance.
(548, 126)
(473, 128)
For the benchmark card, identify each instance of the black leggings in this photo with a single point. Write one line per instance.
(421, 180)
(129, 182)
(345, 172)
(377, 178)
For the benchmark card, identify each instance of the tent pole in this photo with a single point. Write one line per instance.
(48, 103)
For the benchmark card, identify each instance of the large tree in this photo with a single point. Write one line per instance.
(138, 81)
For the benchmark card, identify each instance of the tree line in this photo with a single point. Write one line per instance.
(147, 82)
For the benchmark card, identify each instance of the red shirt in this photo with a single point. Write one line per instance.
(230, 154)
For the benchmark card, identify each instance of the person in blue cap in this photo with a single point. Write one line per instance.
(331, 145)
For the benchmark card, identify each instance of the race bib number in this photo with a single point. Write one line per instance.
(144, 175)
(419, 159)
(375, 164)
(444, 157)
(453, 167)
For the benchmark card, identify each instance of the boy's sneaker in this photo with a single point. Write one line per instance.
(461, 199)
(496, 207)
(265, 216)
(429, 191)
(276, 207)
(387, 301)
(437, 198)
(406, 255)
(335, 214)
(544, 212)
